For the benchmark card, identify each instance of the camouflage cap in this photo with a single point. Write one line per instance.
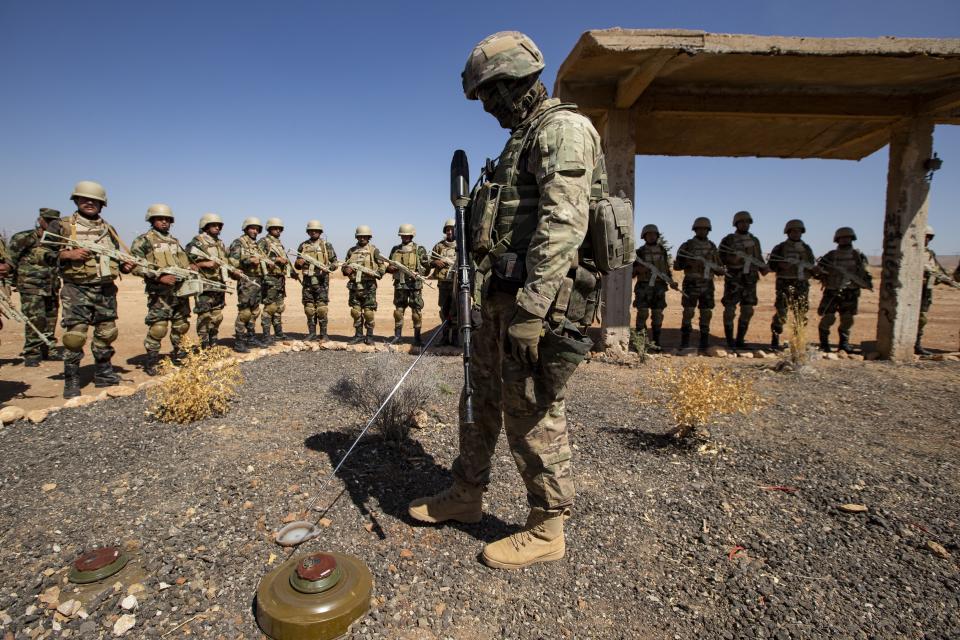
(505, 55)
(49, 214)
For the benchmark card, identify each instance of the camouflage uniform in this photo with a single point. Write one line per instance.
(274, 288)
(840, 294)
(446, 297)
(697, 287)
(363, 286)
(316, 283)
(931, 268)
(791, 261)
(38, 282)
(209, 304)
(246, 256)
(166, 311)
(407, 291)
(739, 283)
(650, 291)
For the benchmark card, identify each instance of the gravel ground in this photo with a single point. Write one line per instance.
(741, 539)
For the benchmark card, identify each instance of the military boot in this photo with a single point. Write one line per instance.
(311, 330)
(71, 379)
(728, 334)
(31, 360)
(369, 338)
(150, 365)
(177, 355)
(540, 540)
(459, 502)
(211, 339)
(278, 331)
(357, 337)
(741, 337)
(103, 373)
(266, 339)
(654, 344)
(323, 332)
(917, 349)
(397, 334)
(240, 343)
(775, 341)
(684, 337)
(417, 340)
(825, 341)
(844, 343)
(704, 339)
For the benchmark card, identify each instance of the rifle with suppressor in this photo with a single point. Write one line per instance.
(406, 271)
(747, 259)
(709, 267)
(223, 264)
(8, 310)
(460, 197)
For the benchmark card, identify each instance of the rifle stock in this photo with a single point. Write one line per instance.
(460, 197)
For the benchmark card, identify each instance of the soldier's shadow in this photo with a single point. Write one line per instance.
(10, 389)
(393, 475)
(650, 440)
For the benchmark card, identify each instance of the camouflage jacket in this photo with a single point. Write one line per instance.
(213, 247)
(245, 254)
(657, 256)
(367, 257)
(446, 252)
(691, 256)
(413, 257)
(734, 247)
(274, 249)
(842, 267)
(321, 251)
(792, 260)
(34, 264)
(161, 250)
(96, 269)
(931, 268)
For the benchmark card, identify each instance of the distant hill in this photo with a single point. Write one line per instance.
(949, 262)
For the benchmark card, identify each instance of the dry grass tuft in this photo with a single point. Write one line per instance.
(697, 393)
(201, 387)
(797, 325)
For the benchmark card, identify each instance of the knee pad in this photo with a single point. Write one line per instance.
(216, 317)
(355, 313)
(244, 316)
(728, 314)
(398, 316)
(706, 315)
(369, 315)
(657, 316)
(75, 337)
(269, 309)
(310, 310)
(106, 332)
(846, 321)
(688, 313)
(322, 312)
(416, 316)
(180, 327)
(746, 312)
(158, 330)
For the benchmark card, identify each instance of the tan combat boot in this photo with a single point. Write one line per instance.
(459, 502)
(541, 540)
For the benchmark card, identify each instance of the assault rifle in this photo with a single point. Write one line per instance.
(407, 272)
(197, 251)
(939, 277)
(288, 270)
(445, 260)
(801, 265)
(359, 270)
(8, 310)
(747, 259)
(709, 267)
(847, 276)
(460, 197)
(146, 267)
(656, 273)
(311, 261)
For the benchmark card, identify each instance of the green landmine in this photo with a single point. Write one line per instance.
(97, 564)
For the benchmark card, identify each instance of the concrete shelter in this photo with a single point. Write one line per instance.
(685, 93)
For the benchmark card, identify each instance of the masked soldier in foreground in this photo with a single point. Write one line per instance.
(363, 266)
(650, 267)
(274, 280)
(38, 282)
(407, 290)
(933, 274)
(316, 280)
(793, 262)
(443, 258)
(166, 311)
(210, 304)
(844, 273)
(699, 260)
(89, 295)
(740, 253)
(526, 243)
(246, 256)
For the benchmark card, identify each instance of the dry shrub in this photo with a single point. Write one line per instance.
(199, 388)
(640, 344)
(368, 388)
(697, 393)
(797, 326)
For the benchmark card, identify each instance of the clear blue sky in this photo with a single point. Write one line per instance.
(349, 112)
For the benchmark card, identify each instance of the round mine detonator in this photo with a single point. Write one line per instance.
(97, 564)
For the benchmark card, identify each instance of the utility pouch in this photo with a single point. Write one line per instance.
(611, 233)
(562, 349)
(483, 215)
(511, 267)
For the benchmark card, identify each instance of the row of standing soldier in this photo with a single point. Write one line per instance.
(75, 261)
(739, 259)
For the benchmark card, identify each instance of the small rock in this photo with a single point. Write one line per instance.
(325, 522)
(421, 420)
(129, 603)
(50, 486)
(406, 554)
(760, 354)
(831, 356)
(247, 505)
(717, 352)
(123, 624)
(121, 392)
(136, 588)
(937, 549)
(68, 608)
(79, 401)
(50, 597)
(10, 414)
(37, 415)
(851, 507)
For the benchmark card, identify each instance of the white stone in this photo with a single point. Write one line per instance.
(129, 603)
(123, 624)
(10, 414)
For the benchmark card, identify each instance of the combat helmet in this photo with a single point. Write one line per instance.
(649, 228)
(506, 55)
(158, 211)
(701, 222)
(844, 231)
(794, 224)
(930, 231)
(252, 221)
(314, 225)
(407, 230)
(274, 222)
(89, 189)
(742, 216)
(363, 230)
(209, 218)
(450, 222)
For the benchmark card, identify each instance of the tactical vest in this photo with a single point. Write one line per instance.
(273, 249)
(96, 268)
(448, 252)
(655, 255)
(700, 249)
(364, 257)
(318, 251)
(792, 253)
(409, 256)
(165, 251)
(214, 248)
(850, 260)
(744, 243)
(249, 249)
(930, 268)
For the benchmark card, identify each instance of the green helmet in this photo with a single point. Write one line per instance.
(743, 216)
(363, 230)
(209, 218)
(407, 230)
(930, 231)
(506, 55)
(89, 189)
(842, 232)
(449, 223)
(794, 224)
(649, 228)
(49, 214)
(252, 221)
(314, 225)
(158, 211)
(701, 223)
(274, 222)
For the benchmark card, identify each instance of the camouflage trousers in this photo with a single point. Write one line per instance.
(650, 301)
(790, 292)
(42, 311)
(447, 298)
(739, 289)
(166, 313)
(248, 307)
(363, 306)
(842, 301)
(403, 298)
(209, 309)
(315, 297)
(274, 292)
(526, 402)
(85, 306)
(698, 292)
(926, 301)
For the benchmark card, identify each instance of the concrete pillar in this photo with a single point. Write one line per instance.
(620, 150)
(911, 143)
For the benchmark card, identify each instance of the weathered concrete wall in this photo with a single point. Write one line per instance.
(904, 227)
